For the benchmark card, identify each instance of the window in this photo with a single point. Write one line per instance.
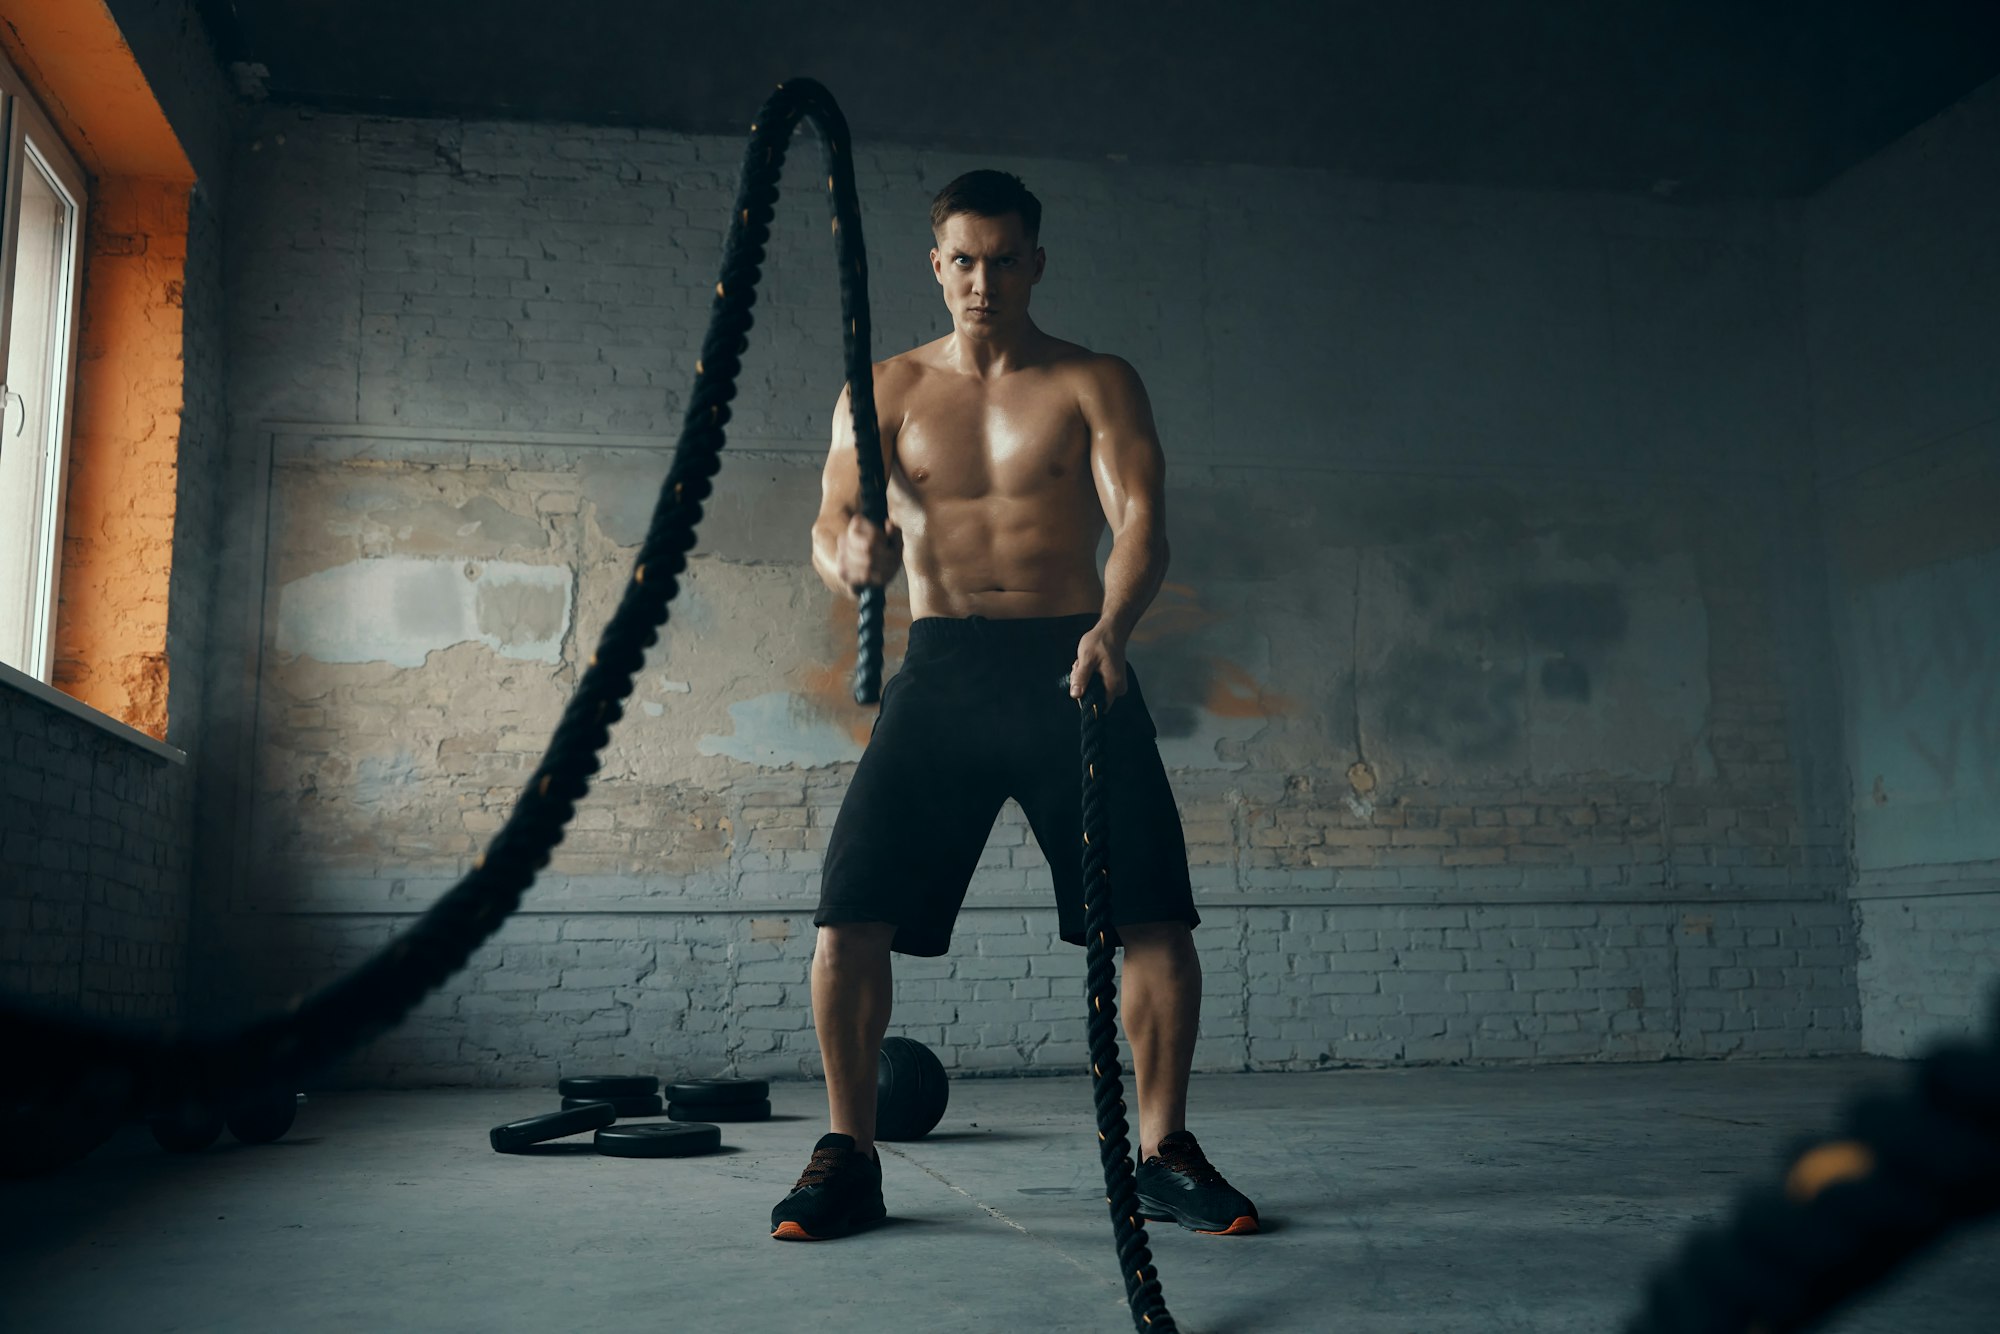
(41, 229)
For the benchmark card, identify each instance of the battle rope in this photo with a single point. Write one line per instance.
(61, 1060)
(1905, 1168)
(1135, 1258)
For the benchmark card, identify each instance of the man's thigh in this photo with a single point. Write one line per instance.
(1146, 849)
(913, 823)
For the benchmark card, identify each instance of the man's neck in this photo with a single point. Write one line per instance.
(994, 356)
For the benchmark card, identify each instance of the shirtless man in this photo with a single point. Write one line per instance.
(1007, 451)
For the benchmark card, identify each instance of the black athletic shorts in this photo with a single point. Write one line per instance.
(978, 714)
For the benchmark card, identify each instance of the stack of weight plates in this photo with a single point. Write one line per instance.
(630, 1096)
(719, 1100)
(600, 1103)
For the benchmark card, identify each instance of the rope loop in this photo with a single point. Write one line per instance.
(49, 1052)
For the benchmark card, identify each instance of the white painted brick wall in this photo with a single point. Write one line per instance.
(1285, 989)
(1929, 955)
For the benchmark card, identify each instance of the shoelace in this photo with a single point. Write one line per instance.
(823, 1165)
(1190, 1162)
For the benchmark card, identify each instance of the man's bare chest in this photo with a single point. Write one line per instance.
(1014, 441)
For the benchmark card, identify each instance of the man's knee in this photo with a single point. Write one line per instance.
(1168, 935)
(845, 944)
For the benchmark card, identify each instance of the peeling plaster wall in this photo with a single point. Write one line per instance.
(1903, 290)
(1472, 668)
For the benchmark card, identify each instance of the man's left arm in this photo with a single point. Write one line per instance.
(1129, 469)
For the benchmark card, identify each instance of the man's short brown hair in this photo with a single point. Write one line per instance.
(988, 194)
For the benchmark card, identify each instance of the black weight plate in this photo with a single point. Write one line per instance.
(722, 1111)
(518, 1135)
(647, 1106)
(709, 1092)
(911, 1090)
(608, 1086)
(264, 1120)
(659, 1139)
(189, 1130)
(896, 1091)
(62, 1123)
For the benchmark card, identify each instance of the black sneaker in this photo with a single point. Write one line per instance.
(839, 1192)
(1178, 1185)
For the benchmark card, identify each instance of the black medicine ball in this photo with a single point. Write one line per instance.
(910, 1090)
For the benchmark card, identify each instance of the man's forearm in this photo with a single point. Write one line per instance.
(1133, 574)
(825, 542)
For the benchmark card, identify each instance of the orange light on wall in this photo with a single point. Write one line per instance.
(111, 611)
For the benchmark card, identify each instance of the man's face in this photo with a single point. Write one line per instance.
(987, 267)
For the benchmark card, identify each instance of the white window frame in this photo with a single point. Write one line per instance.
(23, 120)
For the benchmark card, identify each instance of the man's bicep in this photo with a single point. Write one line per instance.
(840, 481)
(1126, 461)
(843, 470)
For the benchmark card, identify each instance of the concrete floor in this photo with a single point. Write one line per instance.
(1433, 1200)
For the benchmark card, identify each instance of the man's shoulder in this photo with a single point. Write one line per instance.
(1087, 364)
(897, 377)
(914, 362)
(1099, 377)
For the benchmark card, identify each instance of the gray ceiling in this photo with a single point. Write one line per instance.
(1698, 98)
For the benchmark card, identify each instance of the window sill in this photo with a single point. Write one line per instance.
(103, 722)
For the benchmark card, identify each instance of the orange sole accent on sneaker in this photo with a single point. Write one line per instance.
(1242, 1226)
(792, 1232)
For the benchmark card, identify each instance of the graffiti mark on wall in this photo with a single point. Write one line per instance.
(1575, 623)
(1235, 693)
(1929, 645)
(1464, 686)
(1469, 707)
(1179, 647)
(829, 686)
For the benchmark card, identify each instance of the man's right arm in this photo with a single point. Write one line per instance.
(845, 566)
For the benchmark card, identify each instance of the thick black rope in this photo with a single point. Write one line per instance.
(53, 1060)
(1135, 1258)
(1904, 1168)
